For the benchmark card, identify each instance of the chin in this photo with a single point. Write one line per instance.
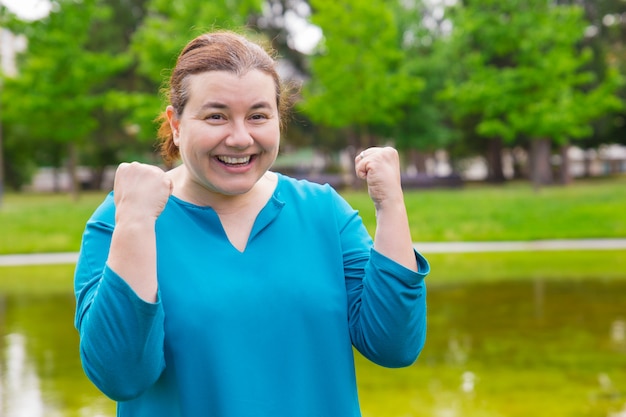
(234, 188)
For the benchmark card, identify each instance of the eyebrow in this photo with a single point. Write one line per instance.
(218, 105)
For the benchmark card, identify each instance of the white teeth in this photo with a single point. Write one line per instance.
(233, 161)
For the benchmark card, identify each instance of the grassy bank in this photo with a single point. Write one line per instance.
(33, 223)
(587, 209)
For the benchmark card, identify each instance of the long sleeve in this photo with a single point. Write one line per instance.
(386, 301)
(121, 336)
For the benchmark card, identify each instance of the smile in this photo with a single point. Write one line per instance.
(231, 160)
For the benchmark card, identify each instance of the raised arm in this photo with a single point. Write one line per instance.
(386, 289)
(141, 192)
(380, 167)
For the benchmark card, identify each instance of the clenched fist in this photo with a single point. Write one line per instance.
(380, 167)
(140, 190)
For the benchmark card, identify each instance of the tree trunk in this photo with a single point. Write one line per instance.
(418, 159)
(495, 171)
(97, 177)
(72, 169)
(565, 175)
(56, 179)
(540, 165)
(586, 163)
(367, 139)
(354, 146)
(520, 163)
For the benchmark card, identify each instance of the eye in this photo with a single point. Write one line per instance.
(259, 116)
(215, 118)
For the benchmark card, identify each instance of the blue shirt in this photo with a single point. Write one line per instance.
(267, 332)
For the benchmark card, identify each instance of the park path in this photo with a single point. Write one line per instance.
(423, 247)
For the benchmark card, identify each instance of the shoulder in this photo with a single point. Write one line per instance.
(105, 213)
(313, 197)
(301, 188)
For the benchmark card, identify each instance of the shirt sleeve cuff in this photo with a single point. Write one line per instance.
(382, 262)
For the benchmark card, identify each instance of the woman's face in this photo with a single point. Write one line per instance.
(229, 133)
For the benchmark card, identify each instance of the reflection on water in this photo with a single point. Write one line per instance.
(19, 386)
(503, 349)
(40, 372)
(469, 380)
(536, 348)
(618, 334)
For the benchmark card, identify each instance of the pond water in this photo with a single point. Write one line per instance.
(500, 349)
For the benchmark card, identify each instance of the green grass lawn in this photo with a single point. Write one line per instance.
(514, 211)
(33, 223)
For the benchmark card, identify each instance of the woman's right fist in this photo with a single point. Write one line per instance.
(140, 190)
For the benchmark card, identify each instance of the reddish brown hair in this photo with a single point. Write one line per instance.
(219, 51)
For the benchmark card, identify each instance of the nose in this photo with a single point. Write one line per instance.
(239, 136)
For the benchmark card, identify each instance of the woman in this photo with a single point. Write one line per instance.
(222, 289)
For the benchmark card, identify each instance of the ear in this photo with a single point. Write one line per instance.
(172, 118)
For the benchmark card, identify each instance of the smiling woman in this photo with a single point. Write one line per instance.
(223, 289)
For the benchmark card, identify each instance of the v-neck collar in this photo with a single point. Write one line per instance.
(264, 218)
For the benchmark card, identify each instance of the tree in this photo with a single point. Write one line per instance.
(54, 97)
(423, 127)
(116, 137)
(359, 80)
(520, 73)
(606, 36)
(3, 12)
(8, 21)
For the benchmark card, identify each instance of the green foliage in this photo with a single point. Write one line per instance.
(169, 25)
(422, 124)
(521, 71)
(359, 76)
(56, 92)
(53, 102)
(606, 36)
(512, 69)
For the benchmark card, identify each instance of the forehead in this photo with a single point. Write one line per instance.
(253, 85)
